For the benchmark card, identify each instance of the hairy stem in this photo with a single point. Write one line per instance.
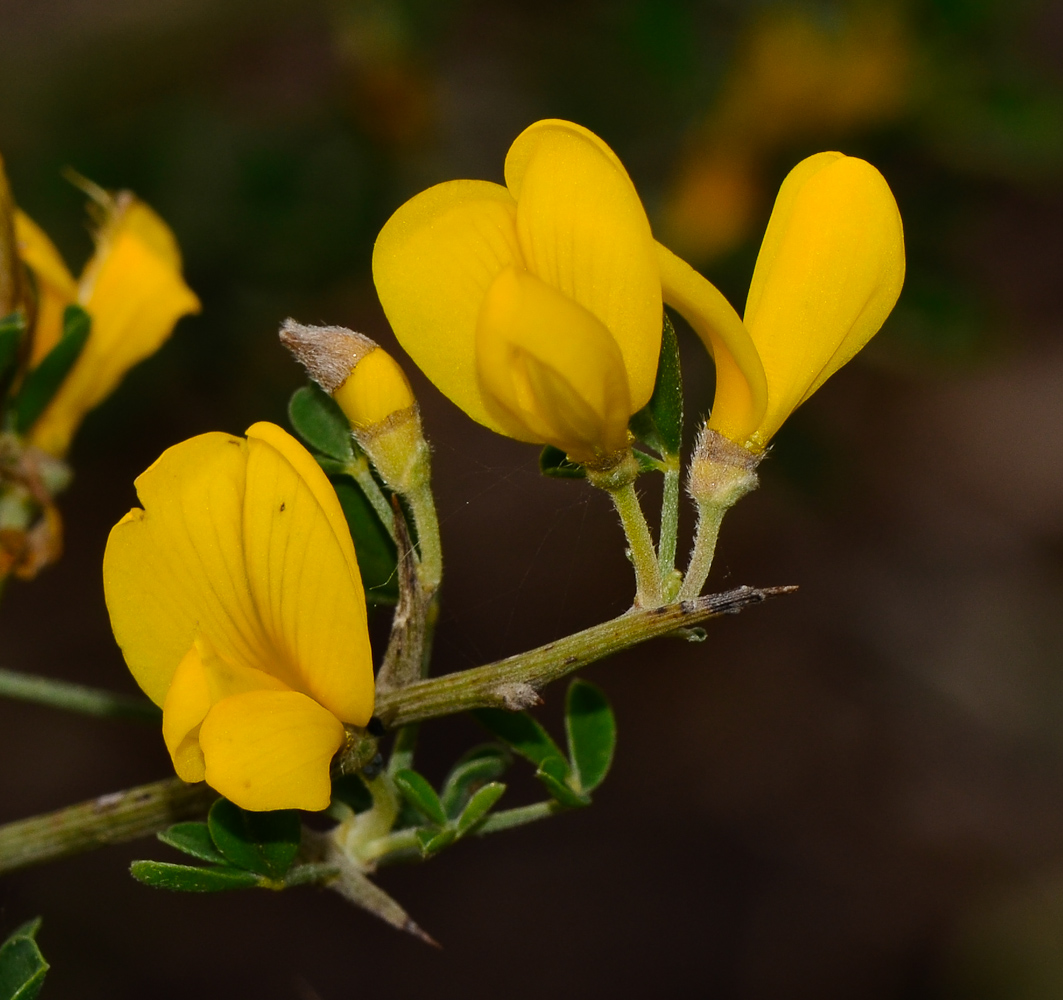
(110, 819)
(509, 683)
(710, 517)
(358, 470)
(640, 543)
(669, 525)
(513, 682)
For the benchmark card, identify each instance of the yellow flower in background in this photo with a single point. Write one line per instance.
(828, 274)
(56, 287)
(133, 290)
(796, 78)
(535, 307)
(236, 599)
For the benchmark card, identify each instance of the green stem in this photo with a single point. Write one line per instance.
(358, 470)
(640, 543)
(423, 506)
(710, 517)
(513, 682)
(76, 697)
(669, 525)
(509, 683)
(110, 819)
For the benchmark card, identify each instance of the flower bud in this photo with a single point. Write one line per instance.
(373, 393)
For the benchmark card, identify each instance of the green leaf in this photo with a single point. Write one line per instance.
(262, 842)
(433, 841)
(193, 839)
(319, 421)
(22, 966)
(11, 329)
(377, 558)
(421, 795)
(554, 462)
(660, 422)
(189, 878)
(43, 382)
(520, 731)
(469, 776)
(591, 729)
(554, 774)
(479, 806)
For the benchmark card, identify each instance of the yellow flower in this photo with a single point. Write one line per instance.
(235, 597)
(375, 391)
(133, 290)
(535, 307)
(829, 271)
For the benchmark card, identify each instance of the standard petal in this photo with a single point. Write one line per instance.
(176, 568)
(303, 576)
(828, 275)
(550, 369)
(741, 391)
(583, 230)
(56, 287)
(134, 292)
(433, 262)
(271, 750)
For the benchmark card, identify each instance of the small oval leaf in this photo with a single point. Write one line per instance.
(262, 842)
(465, 780)
(479, 806)
(22, 966)
(520, 731)
(433, 841)
(591, 729)
(188, 878)
(554, 774)
(193, 839)
(421, 795)
(319, 421)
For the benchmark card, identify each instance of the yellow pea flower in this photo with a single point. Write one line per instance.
(131, 287)
(236, 599)
(828, 274)
(535, 307)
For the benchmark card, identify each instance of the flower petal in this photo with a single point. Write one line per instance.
(176, 568)
(432, 264)
(271, 750)
(303, 575)
(134, 292)
(550, 370)
(583, 230)
(56, 287)
(829, 272)
(186, 706)
(741, 391)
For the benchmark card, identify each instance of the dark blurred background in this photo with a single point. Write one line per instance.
(855, 791)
